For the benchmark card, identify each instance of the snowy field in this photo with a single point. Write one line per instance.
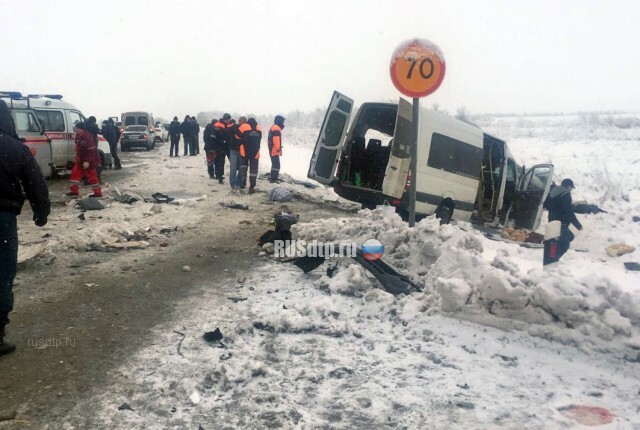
(493, 341)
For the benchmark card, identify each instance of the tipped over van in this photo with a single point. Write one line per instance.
(462, 172)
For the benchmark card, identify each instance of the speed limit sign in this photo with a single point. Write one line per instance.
(417, 68)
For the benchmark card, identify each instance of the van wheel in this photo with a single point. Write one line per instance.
(444, 211)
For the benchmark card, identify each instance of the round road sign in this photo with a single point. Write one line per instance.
(417, 67)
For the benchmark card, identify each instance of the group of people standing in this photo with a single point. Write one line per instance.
(190, 130)
(239, 142)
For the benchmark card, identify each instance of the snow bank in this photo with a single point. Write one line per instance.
(468, 276)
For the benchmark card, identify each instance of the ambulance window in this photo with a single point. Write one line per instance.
(75, 117)
(25, 121)
(52, 120)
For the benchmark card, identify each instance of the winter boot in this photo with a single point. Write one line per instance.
(5, 347)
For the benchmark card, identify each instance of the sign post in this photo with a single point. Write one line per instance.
(417, 69)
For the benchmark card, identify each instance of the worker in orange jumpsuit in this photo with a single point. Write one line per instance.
(251, 135)
(275, 146)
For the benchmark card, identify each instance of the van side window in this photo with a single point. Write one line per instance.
(454, 156)
(51, 119)
(335, 126)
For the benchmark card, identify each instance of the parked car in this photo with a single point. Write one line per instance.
(462, 172)
(136, 136)
(161, 132)
(56, 117)
(139, 118)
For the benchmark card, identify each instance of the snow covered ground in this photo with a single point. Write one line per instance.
(493, 341)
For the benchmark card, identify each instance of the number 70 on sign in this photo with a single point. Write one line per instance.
(417, 68)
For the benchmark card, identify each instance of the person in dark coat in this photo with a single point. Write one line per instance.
(113, 144)
(208, 135)
(174, 135)
(560, 206)
(109, 132)
(185, 129)
(221, 131)
(19, 176)
(195, 132)
(91, 126)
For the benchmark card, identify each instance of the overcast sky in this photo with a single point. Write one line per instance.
(181, 57)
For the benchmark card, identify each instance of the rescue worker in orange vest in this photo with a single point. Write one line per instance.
(222, 130)
(250, 151)
(86, 162)
(235, 159)
(275, 146)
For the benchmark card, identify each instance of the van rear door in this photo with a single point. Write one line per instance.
(530, 194)
(395, 176)
(328, 148)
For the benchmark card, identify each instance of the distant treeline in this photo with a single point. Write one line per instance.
(300, 119)
(314, 118)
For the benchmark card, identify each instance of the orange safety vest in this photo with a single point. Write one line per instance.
(250, 140)
(275, 140)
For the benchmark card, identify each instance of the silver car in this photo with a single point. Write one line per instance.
(136, 136)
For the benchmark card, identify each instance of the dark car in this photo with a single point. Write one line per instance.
(136, 136)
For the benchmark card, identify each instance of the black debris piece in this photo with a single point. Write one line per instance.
(266, 327)
(270, 236)
(162, 198)
(124, 407)
(585, 208)
(230, 205)
(630, 265)
(89, 204)
(82, 217)
(213, 336)
(636, 218)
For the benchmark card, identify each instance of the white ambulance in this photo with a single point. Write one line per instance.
(463, 173)
(58, 118)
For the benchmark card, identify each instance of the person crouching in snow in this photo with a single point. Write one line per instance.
(86, 162)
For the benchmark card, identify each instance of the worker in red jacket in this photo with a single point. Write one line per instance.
(275, 146)
(86, 162)
(250, 151)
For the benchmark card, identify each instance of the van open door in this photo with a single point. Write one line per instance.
(322, 166)
(530, 194)
(395, 176)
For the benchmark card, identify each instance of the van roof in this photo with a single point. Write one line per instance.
(136, 113)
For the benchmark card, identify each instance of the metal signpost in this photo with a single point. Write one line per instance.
(417, 69)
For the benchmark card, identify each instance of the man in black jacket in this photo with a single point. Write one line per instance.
(560, 207)
(18, 172)
(113, 143)
(185, 129)
(174, 135)
(108, 131)
(209, 141)
(194, 149)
